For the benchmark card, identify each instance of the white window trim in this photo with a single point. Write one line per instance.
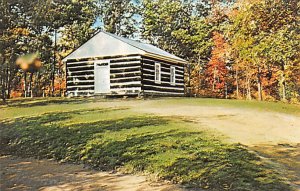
(159, 77)
(174, 76)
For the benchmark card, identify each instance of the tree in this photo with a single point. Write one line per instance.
(243, 49)
(216, 70)
(29, 63)
(263, 34)
(28, 26)
(166, 24)
(13, 36)
(180, 27)
(75, 17)
(119, 16)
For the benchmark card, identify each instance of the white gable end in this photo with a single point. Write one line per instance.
(101, 45)
(107, 44)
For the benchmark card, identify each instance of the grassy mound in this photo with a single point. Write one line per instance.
(109, 139)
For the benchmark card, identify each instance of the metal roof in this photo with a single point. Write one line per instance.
(146, 47)
(107, 44)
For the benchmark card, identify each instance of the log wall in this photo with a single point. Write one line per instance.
(129, 75)
(164, 88)
(125, 76)
(80, 78)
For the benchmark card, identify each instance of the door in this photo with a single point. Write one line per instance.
(102, 77)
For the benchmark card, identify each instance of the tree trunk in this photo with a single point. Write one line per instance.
(226, 91)
(283, 90)
(25, 84)
(53, 66)
(248, 86)
(7, 87)
(283, 82)
(3, 95)
(237, 83)
(38, 84)
(259, 91)
(259, 85)
(214, 79)
(186, 77)
(30, 85)
(2, 79)
(199, 83)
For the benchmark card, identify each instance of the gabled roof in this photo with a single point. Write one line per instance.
(107, 44)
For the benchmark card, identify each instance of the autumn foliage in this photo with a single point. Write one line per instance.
(216, 71)
(243, 49)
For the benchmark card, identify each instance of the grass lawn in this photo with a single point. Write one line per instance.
(117, 138)
(245, 104)
(21, 107)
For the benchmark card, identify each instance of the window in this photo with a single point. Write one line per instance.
(157, 73)
(172, 75)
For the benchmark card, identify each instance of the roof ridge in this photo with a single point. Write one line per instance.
(118, 37)
(123, 39)
(93, 47)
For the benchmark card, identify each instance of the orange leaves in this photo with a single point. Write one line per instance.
(220, 46)
(216, 70)
(20, 31)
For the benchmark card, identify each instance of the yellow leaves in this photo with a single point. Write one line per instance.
(20, 31)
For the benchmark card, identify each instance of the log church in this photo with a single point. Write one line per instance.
(110, 65)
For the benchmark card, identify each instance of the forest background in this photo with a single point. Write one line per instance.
(243, 49)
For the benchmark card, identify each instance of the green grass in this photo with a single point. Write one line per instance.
(117, 138)
(244, 104)
(23, 107)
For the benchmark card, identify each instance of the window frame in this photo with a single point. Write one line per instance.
(173, 80)
(158, 81)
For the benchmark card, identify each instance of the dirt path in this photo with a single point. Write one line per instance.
(239, 125)
(29, 174)
(247, 126)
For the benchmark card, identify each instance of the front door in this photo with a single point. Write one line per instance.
(102, 77)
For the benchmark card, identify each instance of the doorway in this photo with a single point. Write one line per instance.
(102, 77)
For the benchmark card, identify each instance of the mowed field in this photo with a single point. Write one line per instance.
(205, 144)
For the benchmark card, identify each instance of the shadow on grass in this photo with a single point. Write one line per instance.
(285, 156)
(44, 137)
(147, 144)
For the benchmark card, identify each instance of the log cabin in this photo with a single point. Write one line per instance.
(110, 65)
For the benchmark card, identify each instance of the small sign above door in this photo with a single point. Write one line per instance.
(102, 64)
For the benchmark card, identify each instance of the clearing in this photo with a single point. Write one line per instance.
(200, 143)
